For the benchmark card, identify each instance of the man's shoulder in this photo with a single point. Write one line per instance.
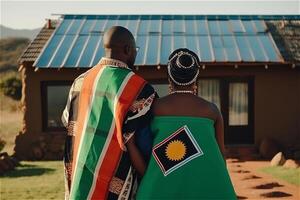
(78, 81)
(147, 86)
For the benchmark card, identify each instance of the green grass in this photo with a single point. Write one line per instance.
(41, 180)
(290, 175)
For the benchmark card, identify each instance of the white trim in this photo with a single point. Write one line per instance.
(126, 195)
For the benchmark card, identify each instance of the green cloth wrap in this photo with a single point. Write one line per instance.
(203, 177)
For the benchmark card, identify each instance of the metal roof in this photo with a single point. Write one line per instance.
(77, 40)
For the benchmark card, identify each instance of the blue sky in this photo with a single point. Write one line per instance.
(32, 14)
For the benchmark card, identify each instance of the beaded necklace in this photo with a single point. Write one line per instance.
(183, 92)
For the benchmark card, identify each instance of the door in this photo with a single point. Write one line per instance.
(238, 101)
(234, 97)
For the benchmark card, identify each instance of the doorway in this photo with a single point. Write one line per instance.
(234, 97)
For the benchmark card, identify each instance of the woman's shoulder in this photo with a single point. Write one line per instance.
(159, 105)
(185, 105)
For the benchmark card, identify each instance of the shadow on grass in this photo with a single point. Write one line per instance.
(27, 165)
(27, 170)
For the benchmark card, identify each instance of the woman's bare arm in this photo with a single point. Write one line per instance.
(136, 157)
(219, 130)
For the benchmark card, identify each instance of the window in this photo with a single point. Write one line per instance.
(161, 89)
(209, 89)
(54, 99)
(238, 104)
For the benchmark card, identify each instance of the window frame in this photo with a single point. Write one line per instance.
(44, 103)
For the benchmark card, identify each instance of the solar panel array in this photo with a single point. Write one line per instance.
(77, 41)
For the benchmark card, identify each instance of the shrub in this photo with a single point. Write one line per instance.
(11, 86)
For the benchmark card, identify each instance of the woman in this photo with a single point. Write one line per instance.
(186, 160)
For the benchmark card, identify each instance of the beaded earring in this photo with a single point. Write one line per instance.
(171, 89)
(195, 88)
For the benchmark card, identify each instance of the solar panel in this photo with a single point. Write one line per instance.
(77, 41)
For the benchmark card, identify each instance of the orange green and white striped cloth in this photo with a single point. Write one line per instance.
(113, 103)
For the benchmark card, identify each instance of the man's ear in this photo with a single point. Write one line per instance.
(127, 50)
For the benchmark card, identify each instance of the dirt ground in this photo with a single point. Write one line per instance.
(249, 183)
(10, 125)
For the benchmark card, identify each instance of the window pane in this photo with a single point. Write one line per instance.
(238, 104)
(161, 89)
(210, 91)
(56, 104)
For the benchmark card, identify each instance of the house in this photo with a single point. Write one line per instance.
(249, 69)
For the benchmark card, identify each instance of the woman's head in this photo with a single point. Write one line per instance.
(183, 67)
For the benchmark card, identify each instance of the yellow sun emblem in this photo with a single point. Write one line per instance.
(176, 150)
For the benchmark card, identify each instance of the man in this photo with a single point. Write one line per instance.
(105, 108)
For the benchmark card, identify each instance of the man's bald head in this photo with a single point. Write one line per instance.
(119, 43)
(117, 36)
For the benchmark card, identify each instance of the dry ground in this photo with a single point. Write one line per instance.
(10, 122)
(250, 183)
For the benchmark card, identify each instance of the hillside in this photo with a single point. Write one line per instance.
(17, 33)
(10, 51)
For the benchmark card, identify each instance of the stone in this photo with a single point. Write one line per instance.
(37, 153)
(9, 163)
(297, 155)
(268, 148)
(4, 165)
(278, 159)
(291, 164)
(55, 147)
